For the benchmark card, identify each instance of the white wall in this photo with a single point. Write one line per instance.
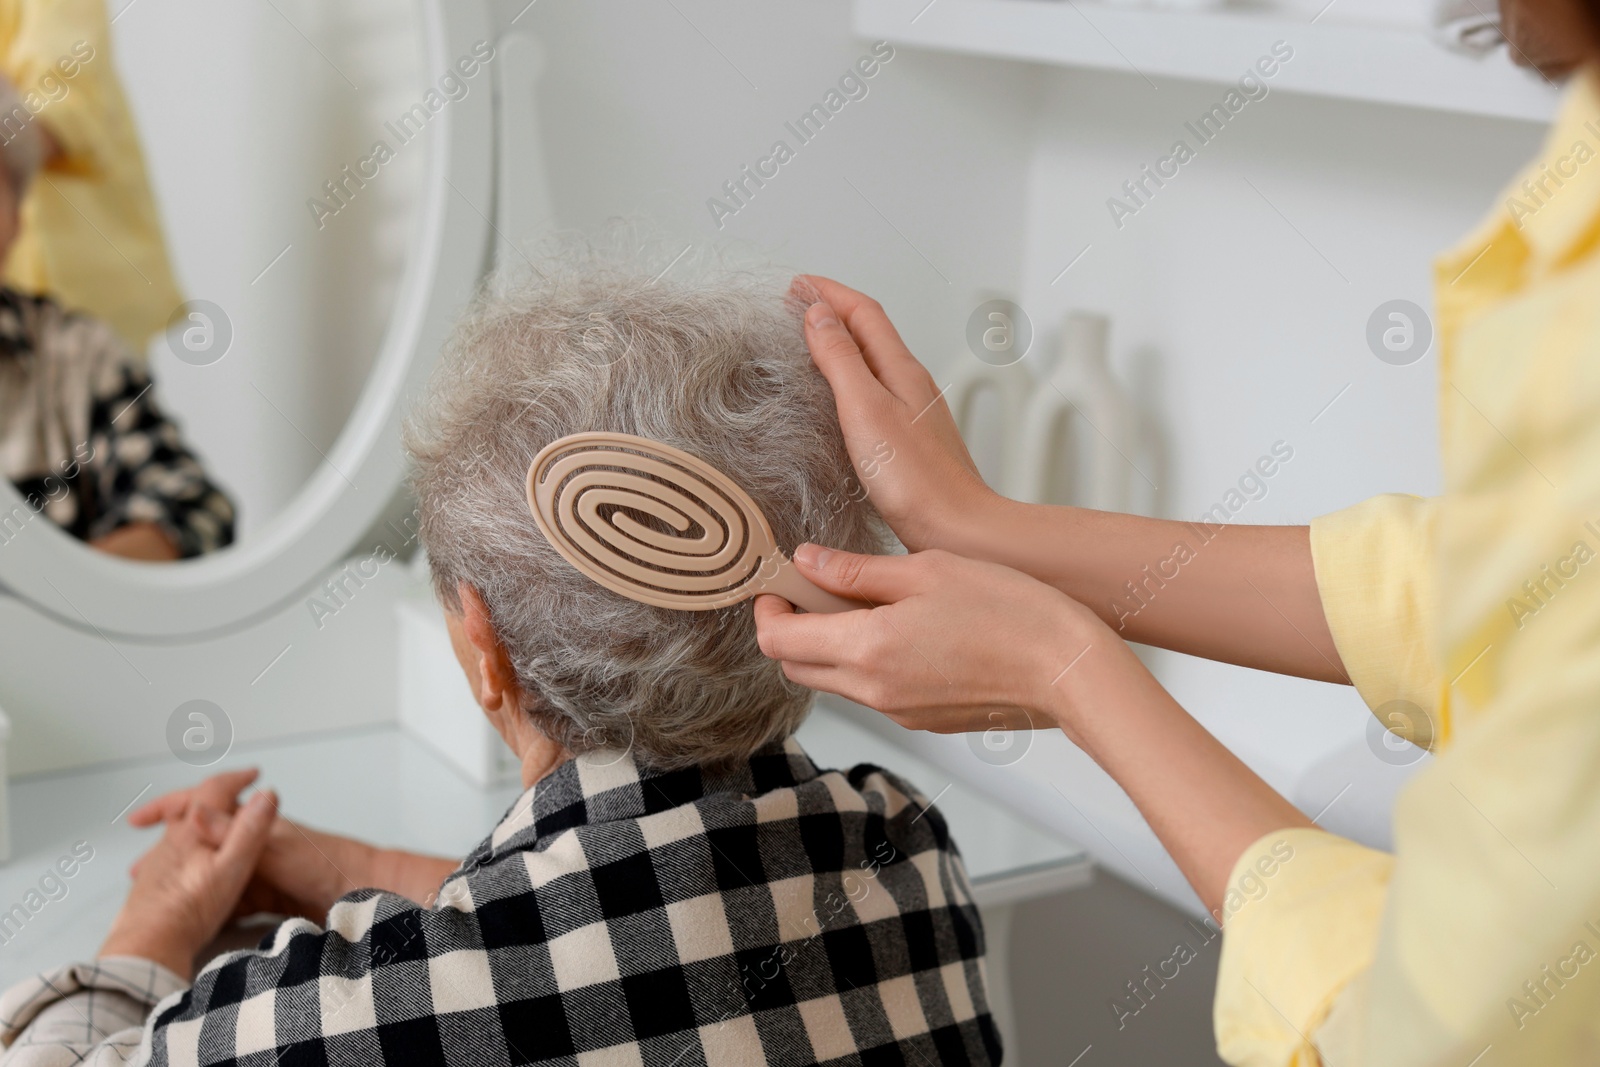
(643, 117)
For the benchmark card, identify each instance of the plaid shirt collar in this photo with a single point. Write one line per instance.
(610, 785)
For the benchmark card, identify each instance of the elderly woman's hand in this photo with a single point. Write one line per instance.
(220, 792)
(898, 429)
(302, 871)
(186, 887)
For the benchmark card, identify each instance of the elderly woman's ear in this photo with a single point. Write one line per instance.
(483, 657)
(494, 684)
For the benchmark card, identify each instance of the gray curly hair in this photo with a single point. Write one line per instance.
(715, 365)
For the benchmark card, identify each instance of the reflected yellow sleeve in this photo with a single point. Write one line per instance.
(1375, 571)
(91, 234)
(53, 37)
(1299, 935)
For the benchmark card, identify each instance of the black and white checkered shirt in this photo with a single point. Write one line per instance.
(770, 913)
(85, 442)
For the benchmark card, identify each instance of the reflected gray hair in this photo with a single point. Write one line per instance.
(713, 362)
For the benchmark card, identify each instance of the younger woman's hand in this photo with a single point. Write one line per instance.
(898, 429)
(952, 645)
(955, 644)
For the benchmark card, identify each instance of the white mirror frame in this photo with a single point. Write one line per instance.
(89, 590)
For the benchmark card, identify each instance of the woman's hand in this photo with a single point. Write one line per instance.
(144, 541)
(952, 643)
(220, 793)
(1248, 595)
(186, 887)
(302, 871)
(900, 433)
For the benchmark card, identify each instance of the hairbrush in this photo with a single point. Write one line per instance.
(706, 544)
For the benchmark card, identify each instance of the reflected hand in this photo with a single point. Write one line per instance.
(1553, 37)
(143, 541)
(951, 644)
(898, 429)
(187, 886)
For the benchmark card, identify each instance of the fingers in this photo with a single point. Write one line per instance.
(837, 356)
(161, 809)
(247, 833)
(876, 579)
(880, 343)
(784, 634)
(815, 638)
(219, 791)
(200, 824)
(222, 791)
(769, 606)
(211, 824)
(815, 676)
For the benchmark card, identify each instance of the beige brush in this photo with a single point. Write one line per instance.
(717, 550)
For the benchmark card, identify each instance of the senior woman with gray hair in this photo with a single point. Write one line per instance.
(679, 884)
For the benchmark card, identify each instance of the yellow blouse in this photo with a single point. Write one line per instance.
(90, 236)
(1478, 941)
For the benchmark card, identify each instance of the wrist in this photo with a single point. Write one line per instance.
(1070, 662)
(386, 870)
(413, 875)
(975, 524)
(140, 940)
(346, 864)
(356, 865)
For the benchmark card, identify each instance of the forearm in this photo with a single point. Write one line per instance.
(410, 874)
(349, 865)
(1201, 800)
(1239, 594)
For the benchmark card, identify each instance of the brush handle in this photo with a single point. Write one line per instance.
(790, 584)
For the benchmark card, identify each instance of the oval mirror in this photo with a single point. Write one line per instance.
(322, 173)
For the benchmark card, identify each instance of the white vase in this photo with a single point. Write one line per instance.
(1081, 398)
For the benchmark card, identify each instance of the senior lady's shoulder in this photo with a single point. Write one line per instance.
(604, 806)
(603, 824)
(761, 895)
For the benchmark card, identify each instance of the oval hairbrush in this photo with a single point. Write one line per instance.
(706, 544)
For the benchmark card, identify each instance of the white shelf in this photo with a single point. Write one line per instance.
(1388, 64)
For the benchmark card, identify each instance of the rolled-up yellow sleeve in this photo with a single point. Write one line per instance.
(1375, 572)
(56, 37)
(1294, 938)
(91, 233)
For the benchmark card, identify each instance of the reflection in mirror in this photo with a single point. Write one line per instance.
(199, 275)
